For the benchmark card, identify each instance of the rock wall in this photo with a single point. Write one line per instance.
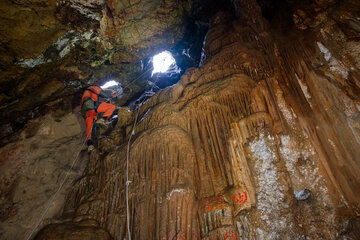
(52, 48)
(260, 142)
(32, 170)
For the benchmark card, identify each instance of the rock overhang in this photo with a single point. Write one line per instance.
(76, 43)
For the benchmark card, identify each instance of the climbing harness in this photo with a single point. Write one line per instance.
(57, 191)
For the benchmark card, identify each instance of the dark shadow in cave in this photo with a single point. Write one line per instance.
(187, 53)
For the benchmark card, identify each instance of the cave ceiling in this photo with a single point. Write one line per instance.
(51, 49)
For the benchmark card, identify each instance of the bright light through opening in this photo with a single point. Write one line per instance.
(162, 62)
(109, 84)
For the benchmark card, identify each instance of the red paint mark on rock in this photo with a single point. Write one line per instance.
(242, 198)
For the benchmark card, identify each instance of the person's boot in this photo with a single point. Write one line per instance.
(90, 145)
(102, 126)
(90, 148)
(101, 121)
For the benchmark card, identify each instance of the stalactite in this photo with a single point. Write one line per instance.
(239, 127)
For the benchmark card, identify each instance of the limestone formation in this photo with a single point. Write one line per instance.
(261, 141)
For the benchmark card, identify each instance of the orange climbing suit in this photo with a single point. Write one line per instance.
(93, 93)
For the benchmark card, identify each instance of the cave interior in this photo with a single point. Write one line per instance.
(252, 132)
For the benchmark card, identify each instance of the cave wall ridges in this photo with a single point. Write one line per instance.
(261, 116)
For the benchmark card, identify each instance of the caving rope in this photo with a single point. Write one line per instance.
(76, 158)
(72, 166)
(128, 155)
(58, 190)
(138, 77)
(127, 163)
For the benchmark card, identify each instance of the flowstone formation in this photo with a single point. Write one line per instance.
(260, 142)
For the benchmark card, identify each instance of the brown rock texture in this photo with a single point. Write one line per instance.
(68, 44)
(136, 27)
(32, 169)
(260, 142)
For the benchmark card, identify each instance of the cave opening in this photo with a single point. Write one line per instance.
(109, 84)
(185, 54)
(163, 62)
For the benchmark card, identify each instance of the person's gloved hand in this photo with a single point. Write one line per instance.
(113, 96)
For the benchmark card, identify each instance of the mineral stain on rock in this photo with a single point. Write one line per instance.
(302, 194)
